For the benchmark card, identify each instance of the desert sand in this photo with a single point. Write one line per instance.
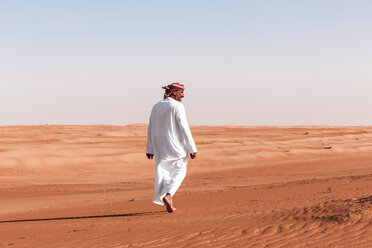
(91, 186)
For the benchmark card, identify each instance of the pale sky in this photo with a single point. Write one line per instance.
(272, 62)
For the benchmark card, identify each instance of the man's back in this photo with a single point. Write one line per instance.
(167, 138)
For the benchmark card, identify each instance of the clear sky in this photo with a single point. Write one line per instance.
(272, 62)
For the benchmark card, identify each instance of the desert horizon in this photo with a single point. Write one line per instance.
(250, 186)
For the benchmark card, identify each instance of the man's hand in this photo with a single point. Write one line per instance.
(193, 155)
(149, 156)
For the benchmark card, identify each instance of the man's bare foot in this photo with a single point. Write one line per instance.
(169, 203)
(174, 208)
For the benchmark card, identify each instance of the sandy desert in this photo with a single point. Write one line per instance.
(91, 186)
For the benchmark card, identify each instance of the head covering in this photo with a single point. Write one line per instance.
(169, 89)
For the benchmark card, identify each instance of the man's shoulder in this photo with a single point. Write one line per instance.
(169, 102)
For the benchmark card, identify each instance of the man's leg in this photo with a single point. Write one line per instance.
(177, 172)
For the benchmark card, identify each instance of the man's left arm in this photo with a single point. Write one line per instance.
(149, 150)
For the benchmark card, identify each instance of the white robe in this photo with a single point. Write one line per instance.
(169, 139)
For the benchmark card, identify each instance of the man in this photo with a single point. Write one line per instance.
(169, 139)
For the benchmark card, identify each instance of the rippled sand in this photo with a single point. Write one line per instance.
(91, 186)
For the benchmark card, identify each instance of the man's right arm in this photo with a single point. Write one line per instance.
(184, 125)
(193, 155)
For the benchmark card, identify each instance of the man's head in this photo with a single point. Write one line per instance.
(174, 90)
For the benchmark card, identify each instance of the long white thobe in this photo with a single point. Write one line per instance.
(169, 139)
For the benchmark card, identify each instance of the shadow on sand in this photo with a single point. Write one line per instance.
(85, 217)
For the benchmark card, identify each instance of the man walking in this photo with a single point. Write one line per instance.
(169, 139)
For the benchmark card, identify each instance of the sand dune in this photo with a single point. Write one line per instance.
(91, 186)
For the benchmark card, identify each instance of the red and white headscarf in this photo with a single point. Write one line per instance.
(169, 89)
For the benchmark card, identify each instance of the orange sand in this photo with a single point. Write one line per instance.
(91, 186)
